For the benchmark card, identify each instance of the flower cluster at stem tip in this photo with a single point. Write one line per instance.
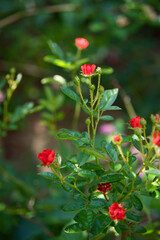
(104, 187)
(47, 157)
(88, 69)
(156, 138)
(116, 139)
(116, 211)
(136, 122)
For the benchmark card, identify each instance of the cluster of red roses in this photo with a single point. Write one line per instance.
(136, 123)
(47, 157)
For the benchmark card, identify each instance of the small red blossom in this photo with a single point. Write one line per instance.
(157, 118)
(88, 69)
(47, 157)
(116, 211)
(116, 139)
(104, 187)
(156, 138)
(81, 43)
(135, 122)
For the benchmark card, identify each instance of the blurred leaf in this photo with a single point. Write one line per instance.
(101, 222)
(57, 62)
(97, 203)
(106, 118)
(56, 50)
(107, 70)
(138, 229)
(49, 175)
(70, 93)
(56, 78)
(153, 172)
(137, 203)
(112, 177)
(92, 151)
(110, 150)
(85, 218)
(74, 206)
(74, 228)
(87, 174)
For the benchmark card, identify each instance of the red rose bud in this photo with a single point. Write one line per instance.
(81, 43)
(104, 187)
(116, 211)
(117, 139)
(135, 122)
(88, 69)
(47, 157)
(157, 118)
(156, 138)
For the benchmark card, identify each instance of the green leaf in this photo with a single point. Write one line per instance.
(101, 222)
(153, 172)
(138, 229)
(108, 98)
(56, 78)
(115, 166)
(57, 62)
(87, 174)
(73, 135)
(79, 62)
(92, 151)
(107, 70)
(112, 177)
(22, 111)
(110, 150)
(49, 175)
(70, 93)
(2, 83)
(127, 172)
(97, 203)
(137, 203)
(71, 166)
(74, 206)
(106, 118)
(133, 216)
(74, 228)
(56, 50)
(82, 158)
(85, 218)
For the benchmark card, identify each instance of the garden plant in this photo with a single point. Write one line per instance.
(107, 188)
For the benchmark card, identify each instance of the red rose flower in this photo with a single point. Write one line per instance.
(156, 138)
(88, 69)
(81, 43)
(104, 187)
(116, 139)
(116, 211)
(47, 157)
(135, 122)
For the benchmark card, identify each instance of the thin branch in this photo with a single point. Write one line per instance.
(33, 11)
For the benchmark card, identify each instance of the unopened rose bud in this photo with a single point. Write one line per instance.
(92, 87)
(155, 118)
(117, 139)
(143, 122)
(101, 89)
(76, 80)
(88, 121)
(99, 70)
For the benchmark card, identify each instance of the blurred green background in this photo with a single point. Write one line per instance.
(123, 34)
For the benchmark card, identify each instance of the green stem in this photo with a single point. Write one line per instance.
(121, 152)
(81, 96)
(122, 199)
(99, 79)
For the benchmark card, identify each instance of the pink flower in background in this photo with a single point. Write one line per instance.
(1, 97)
(107, 128)
(138, 155)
